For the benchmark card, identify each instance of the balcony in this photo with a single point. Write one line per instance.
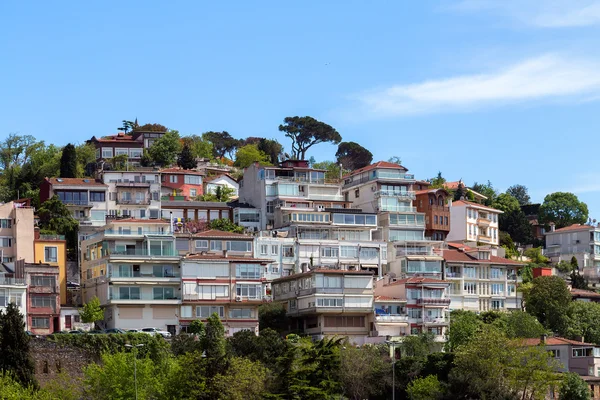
(453, 275)
(433, 301)
(393, 175)
(435, 321)
(329, 197)
(134, 184)
(391, 318)
(303, 179)
(135, 253)
(112, 232)
(12, 281)
(150, 275)
(134, 202)
(388, 208)
(43, 289)
(77, 203)
(483, 221)
(406, 195)
(144, 297)
(174, 198)
(52, 237)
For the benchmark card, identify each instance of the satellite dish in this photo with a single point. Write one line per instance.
(286, 155)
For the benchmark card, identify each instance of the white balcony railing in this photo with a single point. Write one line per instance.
(391, 318)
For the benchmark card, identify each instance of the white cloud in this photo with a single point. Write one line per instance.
(540, 13)
(548, 76)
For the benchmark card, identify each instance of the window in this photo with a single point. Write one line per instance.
(344, 322)
(120, 152)
(97, 154)
(207, 311)
(248, 271)
(15, 298)
(107, 152)
(510, 290)
(216, 245)
(239, 246)
(42, 301)
(323, 281)
(497, 304)
(40, 322)
(274, 249)
(496, 272)
(97, 196)
(329, 252)
(446, 221)
(555, 353)
(135, 153)
(270, 207)
(163, 293)
(50, 254)
(435, 219)
(357, 193)
(5, 223)
(241, 313)
(43, 280)
(349, 252)
(264, 249)
(249, 291)
(288, 251)
(128, 293)
(193, 180)
(470, 288)
(470, 272)
(173, 178)
(193, 192)
(202, 244)
(5, 242)
(497, 289)
(334, 302)
(186, 311)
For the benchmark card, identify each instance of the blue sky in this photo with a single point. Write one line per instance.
(504, 90)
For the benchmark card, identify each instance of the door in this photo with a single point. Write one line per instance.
(171, 329)
(67, 322)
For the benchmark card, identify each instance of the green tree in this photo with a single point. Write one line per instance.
(574, 388)
(506, 203)
(464, 325)
(127, 126)
(68, 162)
(365, 372)
(438, 181)
(214, 338)
(395, 160)
(353, 156)
(461, 192)
(225, 224)
(222, 194)
(271, 148)
(86, 155)
(11, 389)
(56, 218)
(486, 189)
(578, 281)
(185, 343)
(196, 328)
(306, 132)
(272, 316)
(200, 148)
(563, 209)
(516, 224)
(427, 388)
(146, 160)
(165, 150)
(519, 324)
(223, 143)
(243, 380)
(248, 155)
(150, 128)
(583, 320)
(418, 346)
(536, 256)
(92, 312)
(14, 347)
(520, 193)
(548, 300)
(119, 162)
(186, 158)
(332, 170)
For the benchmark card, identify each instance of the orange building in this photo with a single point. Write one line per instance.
(52, 250)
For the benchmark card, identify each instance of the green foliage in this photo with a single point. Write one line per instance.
(416, 345)
(56, 217)
(365, 372)
(146, 160)
(196, 328)
(395, 160)
(222, 194)
(243, 380)
(353, 156)
(461, 192)
(536, 256)
(583, 320)
(14, 347)
(164, 151)
(272, 148)
(225, 224)
(548, 300)
(11, 389)
(272, 316)
(68, 162)
(506, 203)
(214, 338)
(185, 343)
(249, 154)
(128, 126)
(119, 163)
(517, 225)
(266, 348)
(519, 192)
(428, 388)
(306, 132)
(186, 158)
(486, 189)
(150, 128)
(86, 154)
(332, 169)
(577, 280)
(563, 209)
(91, 311)
(223, 143)
(464, 325)
(519, 324)
(574, 388)
(563, 266)
(200, 148)
(438, 181)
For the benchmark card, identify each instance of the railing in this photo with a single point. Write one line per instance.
(52, 237)
(332, 197)
(143, 252)
(173, 198)
(137, 233)
(439, 208)
(392, 193)
(305, 180)
(134, 184)
(391, 318)
(453, 275)
(485, 221)
(143, 296)
(76, 202)
(391, 175)
(414, 252)
(435, 320)
(512, 277)
(136, 274)
(389, 208)
(12, 281)
(433, 301)
(134, 201)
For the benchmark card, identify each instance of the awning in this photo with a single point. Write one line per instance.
(425, 258)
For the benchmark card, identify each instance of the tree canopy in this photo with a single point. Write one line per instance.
(353, 156)
(438, 181)
(14, 347)
(306, 132)
(91, 311)
(186, 159)
(486, 189)
(68, 162)
(548, 300)
(166, 149)
(563, 209)
(520, 193)
(200, 147)
(223, 143)
(249, 154)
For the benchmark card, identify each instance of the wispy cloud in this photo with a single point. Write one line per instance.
(548, 76)
(540, 13)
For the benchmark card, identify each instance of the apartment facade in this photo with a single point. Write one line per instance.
(480, 281)
(132, 266)
(198, 211)
(390, 318)
(328, 302)
(16, 232)
(226, 284)
(294, 184)
(181, 184)
(434, 204)
(579, 241)
(52, 250)
(13, 288)
(474, 222)
(427, 303)
(134, 194)
(224, 181)
(43, 298)
(132, 145)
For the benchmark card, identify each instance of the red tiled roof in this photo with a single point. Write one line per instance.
(388, 298)
(221, 234)
(75, 182)
(574, 227)
(473, 204)
(555, 341)
(378, 164)
(452, 185)
(219, 257)
(180, 171)
(417, 280)
(212, 178)
(418, 192)
(584, 293)
(454, 255)
(118, 138)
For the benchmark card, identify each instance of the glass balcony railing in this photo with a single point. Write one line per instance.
(144, 252)
(394, 175)
(137, 232)
(393, 193)
(385, 207)
(143, 296)
(76, 202)
(137, 274)
(11, 281)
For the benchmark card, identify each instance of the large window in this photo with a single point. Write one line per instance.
(5, 223)
(497, 304)
(470, 272)
(286, 189)
(239, 246)
(50, 254)
(42, 301)
(354, 219)
(369, 253)
(331, 252)
(497, 288)
(135, 153)
(5, 242)
(470, 288)
(241, 313)
(407, 219)
(249, 291)
(40, 322)
(207, 311)
(193, 180)
(248, 271)
(107, 152)
(163, 293)
(173, 178)
(396, 235)
(202, 244)
(128, 293)
(97, 196)
(121, 151)
(308, 217)
(349, 252)
(43, 280)
(496, 273)
(324, 281)
(344, 322)
(287, 251)
(330, 302)
(216, 245)
(211, 292)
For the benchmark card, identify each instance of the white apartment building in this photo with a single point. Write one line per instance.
(480, 281)
(579, 241)
(12, 289)
(282, 251)
(84, 197)
(133, 194)
(474, 222)
(390, 318)
(294, 184)
(133, 268)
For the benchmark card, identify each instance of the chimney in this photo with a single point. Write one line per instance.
(36, 233)
(543, 338)
(225, 253)
(552, 226)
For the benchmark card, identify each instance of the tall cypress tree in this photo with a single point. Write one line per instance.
(68, 162)
(14, 347)
(186, 158)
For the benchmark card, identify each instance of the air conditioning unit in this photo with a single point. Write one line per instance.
(320, 208)
(238, 298)
(374, 188)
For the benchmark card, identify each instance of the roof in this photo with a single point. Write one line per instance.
(75, 182)
(118, 138)
(473, 204)
(424, 191)
(323, 270)
(555, 341)
(454, 186)
(417, 280)
(138, 221)
(213, 178)
(378, 164)
(219, 257)
(574, 227)
(584, 293)
(180, 171)
(194, 204)
(214, 233)
(238, 204)
(388, 298)
(455, 255)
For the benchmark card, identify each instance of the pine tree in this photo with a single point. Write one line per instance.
(461, 192)
(214, 338)
(14, 347)
(577, 280)
(186, 158)
(68, 162)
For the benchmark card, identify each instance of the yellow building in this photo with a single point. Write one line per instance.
(52, 249)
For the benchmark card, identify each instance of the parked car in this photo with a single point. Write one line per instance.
(115, 331)
(76, 332)
(156, 331)
(133, 331)
(31, 334)
(95, 332)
